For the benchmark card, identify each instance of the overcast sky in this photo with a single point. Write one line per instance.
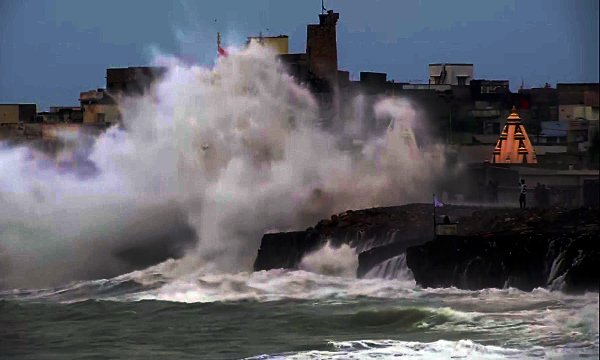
(51, 50)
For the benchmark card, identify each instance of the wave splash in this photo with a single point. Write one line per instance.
(230, 152)
(332, 261)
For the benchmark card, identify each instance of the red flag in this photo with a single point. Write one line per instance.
(222, 51)
(524, 104)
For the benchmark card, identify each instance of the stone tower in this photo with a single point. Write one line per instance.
(513, 146)
(321, 47)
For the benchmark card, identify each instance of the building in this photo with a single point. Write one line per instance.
(536, 106)
(578, 106)
(321, 47)
(18, 113)
(17, 121)
(99, 107)
(278, 43)
(66, 114)
(483, 86)
(132, 81)
(318, 66)
(450, 74)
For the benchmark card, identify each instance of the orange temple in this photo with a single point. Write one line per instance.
(513, 145)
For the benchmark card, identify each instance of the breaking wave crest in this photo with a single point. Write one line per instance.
(332, 261)
(441, 349)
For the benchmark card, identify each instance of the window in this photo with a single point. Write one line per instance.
(462, 80)
(100, 118)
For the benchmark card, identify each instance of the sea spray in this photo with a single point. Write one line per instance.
(393, 268)
(235, 150)
(332, 261)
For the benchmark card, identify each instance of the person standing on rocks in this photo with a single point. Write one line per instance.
(522, 196)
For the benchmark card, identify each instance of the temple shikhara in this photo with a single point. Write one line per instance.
(513, 146)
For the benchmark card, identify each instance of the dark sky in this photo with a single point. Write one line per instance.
(52, 50)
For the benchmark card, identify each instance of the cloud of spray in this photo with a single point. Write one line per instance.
(232, 151)
(331, 261)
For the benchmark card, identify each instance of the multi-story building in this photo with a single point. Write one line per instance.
(99, 107)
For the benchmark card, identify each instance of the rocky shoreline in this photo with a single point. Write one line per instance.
(495, 247)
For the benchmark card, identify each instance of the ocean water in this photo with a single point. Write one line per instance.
(282, 314)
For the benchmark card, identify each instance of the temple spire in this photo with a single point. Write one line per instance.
(513, 146)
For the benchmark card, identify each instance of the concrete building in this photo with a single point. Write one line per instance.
(132, 81)
(66, 114)
(578, 106)
(278, 43)
(99, 107)
(17, 113)
(451, 74)
(553, 133)
(321, 47)
(484, 86)
(536, 106)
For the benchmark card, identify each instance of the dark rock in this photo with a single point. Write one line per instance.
(323, 223)
(530, 249)
(285, 250)
(342, 224)
(522, 261)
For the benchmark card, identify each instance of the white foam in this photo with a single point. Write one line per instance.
(393, 349)
(328, 260)
(273, 285)
(394, 268)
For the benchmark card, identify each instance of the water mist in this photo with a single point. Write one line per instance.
(221, 155)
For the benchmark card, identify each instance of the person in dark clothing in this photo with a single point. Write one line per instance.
(446, 220)
(522, 196)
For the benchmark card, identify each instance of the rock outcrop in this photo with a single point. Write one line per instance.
(361, 229)
(285, 250)
(495, 248)
(522, 261)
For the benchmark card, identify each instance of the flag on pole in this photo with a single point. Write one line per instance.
(436, 203)
(221, 51)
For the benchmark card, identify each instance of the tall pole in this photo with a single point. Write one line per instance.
(434, 232)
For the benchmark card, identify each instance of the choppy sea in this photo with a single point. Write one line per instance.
(281, 314)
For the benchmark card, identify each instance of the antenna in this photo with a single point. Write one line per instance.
(522, 83)
(322, 7)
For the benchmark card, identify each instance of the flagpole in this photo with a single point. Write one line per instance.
(434, 232)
